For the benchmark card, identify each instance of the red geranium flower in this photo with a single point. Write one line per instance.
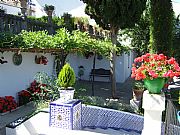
(151, 66)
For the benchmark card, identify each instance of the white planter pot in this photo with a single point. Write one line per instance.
(66, 95)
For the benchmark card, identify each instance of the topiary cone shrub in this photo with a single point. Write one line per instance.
(66, 77)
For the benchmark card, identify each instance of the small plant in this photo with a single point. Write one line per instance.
(66, 77)
(138, 89)
(37, 91)
(24, 97)
(41, 60)
(81, 72)
(138, 85)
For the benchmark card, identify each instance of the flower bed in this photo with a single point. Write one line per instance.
(36, 91)
(24, 97)
(7, 104)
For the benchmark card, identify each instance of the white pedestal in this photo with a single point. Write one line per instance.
(153, 105)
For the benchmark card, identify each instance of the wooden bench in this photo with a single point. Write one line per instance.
(100, 73)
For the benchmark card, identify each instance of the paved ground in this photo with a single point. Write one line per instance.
(8, 118)
(102, 89)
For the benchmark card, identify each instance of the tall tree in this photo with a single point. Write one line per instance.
(139, 34)
(161, 26)
(115, 15)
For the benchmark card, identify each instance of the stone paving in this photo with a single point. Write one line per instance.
(103, 89)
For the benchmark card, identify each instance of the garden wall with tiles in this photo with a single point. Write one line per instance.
(15, 78)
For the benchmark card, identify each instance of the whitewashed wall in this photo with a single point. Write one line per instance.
(15, 78)
(123, 66)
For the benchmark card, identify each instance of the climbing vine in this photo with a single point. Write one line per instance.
(69, 42)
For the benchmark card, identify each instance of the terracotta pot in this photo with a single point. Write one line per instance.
(137, 94)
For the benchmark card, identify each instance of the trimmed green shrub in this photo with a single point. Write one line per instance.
(66, 77)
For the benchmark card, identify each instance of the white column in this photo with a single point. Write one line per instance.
(153, 105)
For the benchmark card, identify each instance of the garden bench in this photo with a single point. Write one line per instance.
(99, 73)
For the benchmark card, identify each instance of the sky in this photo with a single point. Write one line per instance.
(78, 6)
(62, 6)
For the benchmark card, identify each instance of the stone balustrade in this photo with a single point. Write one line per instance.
(15, 24)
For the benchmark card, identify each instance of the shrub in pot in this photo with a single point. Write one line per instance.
(138, 89)
(66, 81)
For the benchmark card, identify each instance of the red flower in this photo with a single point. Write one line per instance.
(153, 66)
(171, 61)
(7, 103)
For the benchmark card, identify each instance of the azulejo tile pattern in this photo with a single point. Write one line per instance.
(66, 115)
(97, 117)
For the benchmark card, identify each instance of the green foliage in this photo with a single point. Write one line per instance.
(51, 86)
(161, 26)
(138, 85)
(48, 7)
(176, 41)
(41, 104)
(37, 39)
(119, 14)
(76, 41)
(66, 77)
(59, 21)
(62, 39)
(83, 20)
(7, 40)
(139, 35)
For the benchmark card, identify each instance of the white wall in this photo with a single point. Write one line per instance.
(123, 66)
(38, 9)
(15, 78)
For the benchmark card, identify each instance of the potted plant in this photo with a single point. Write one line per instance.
(66, 81)
(155, 70)
(49, 9)
(81, 72)
(41, 60)
(138, 89)
(24, 97)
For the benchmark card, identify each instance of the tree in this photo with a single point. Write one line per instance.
(115, 15)
(139, 34)
(176, 41)
(161, 26)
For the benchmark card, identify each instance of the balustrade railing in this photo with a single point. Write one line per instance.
(172, 125)
(15, 24)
